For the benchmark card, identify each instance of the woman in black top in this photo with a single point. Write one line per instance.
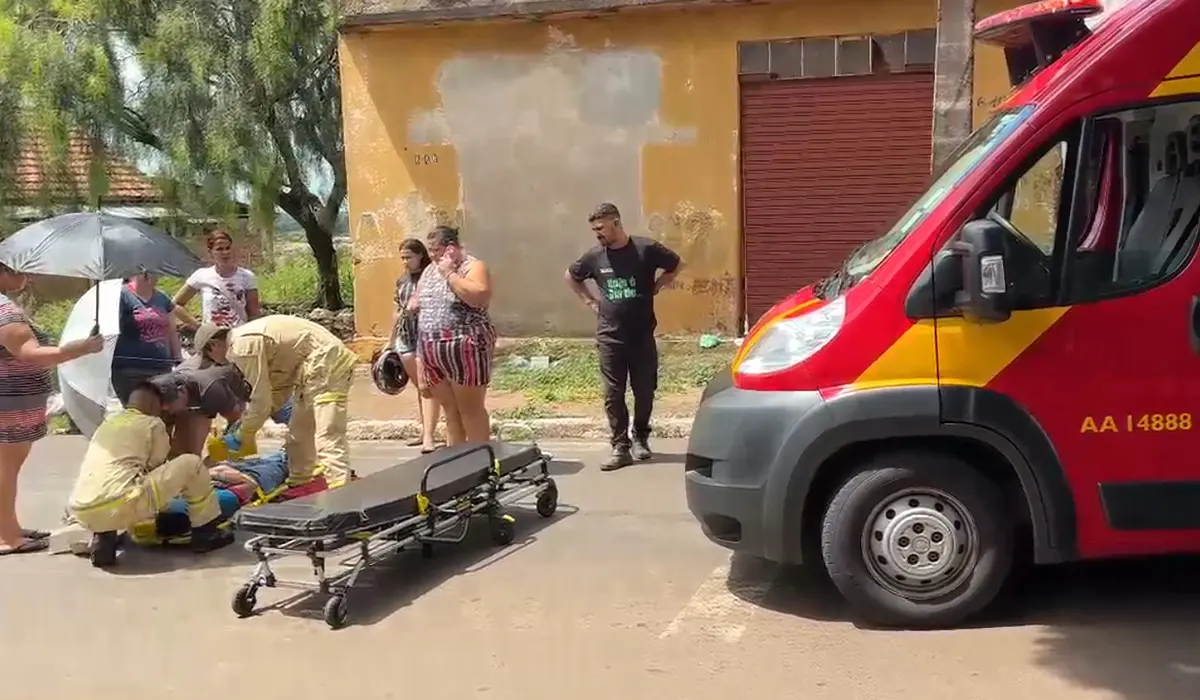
(404, 338)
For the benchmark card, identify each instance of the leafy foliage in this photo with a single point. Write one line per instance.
(228, 94)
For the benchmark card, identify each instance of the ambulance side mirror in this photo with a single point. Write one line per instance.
(984, 296)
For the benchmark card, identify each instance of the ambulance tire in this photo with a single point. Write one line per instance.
(854, 517)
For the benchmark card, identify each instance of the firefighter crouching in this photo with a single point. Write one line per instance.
(126, 477)
(284, 357)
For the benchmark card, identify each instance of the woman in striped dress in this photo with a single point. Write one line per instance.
(26, 356)
(455, 335)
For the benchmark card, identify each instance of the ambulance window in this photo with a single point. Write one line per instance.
(1141, 188)
(1034, 204)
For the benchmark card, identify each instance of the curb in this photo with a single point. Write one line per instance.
(538, 429)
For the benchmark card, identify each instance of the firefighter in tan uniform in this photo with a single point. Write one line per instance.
(126, 478)
(287, 356)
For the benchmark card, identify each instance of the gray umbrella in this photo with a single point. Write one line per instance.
(96, 246)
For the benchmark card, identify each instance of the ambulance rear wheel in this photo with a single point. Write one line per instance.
(336, 612)
(244, 600)
(917, 540)
(547, 500)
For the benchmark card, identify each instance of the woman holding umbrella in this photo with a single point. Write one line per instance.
(24, 388)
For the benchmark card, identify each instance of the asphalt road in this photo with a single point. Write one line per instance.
(617, 596)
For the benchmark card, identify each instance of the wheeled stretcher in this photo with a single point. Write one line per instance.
(427, 500)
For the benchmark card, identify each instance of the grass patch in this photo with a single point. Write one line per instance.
(291, 285)
(574, 372)
(529, 411)
(59, 425)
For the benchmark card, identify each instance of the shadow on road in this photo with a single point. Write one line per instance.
(565, 467)
(666, 458)
(1131, 628)
(136, 560)
(398, 582)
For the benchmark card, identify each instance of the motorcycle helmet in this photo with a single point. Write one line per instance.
(388, 371)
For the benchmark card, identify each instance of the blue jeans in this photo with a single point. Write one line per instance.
(284, 415)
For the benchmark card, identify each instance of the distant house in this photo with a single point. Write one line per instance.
(41, 189)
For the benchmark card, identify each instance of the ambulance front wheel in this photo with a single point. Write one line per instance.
(917, 540)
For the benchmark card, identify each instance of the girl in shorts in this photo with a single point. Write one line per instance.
(404, 337)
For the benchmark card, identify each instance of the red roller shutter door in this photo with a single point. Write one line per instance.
(826, 165)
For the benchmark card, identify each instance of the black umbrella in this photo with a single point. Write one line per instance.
(96, 246)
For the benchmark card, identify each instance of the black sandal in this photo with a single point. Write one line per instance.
(35, 534)
(26, 547)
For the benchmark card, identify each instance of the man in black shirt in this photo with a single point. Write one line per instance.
(624, 267)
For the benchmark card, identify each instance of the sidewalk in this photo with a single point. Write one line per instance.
(377, 416)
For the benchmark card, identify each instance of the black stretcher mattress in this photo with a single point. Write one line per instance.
(387, 496)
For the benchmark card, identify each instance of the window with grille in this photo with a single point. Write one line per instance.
(829, 57)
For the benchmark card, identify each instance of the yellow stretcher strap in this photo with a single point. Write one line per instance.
(422, 503)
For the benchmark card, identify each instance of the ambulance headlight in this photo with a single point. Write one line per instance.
(791, 341)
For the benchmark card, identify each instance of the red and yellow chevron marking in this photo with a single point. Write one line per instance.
(963, 353)
(1184, 78)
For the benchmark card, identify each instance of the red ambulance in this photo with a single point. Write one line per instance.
(1013, 370)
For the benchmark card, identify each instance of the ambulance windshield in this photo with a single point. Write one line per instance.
(964, 160)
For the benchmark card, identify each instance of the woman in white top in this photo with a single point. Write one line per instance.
(228, 293)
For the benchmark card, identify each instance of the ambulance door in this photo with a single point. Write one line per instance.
(1107, 364)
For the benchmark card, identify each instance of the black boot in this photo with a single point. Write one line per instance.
(103, 550)
(641, 449)
(209, 537)
(620, 458)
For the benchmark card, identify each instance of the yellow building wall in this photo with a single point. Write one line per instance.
(515, 130)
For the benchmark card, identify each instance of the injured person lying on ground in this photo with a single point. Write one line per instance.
(126, 478)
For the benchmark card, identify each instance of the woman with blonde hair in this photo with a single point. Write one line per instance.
(456, 340)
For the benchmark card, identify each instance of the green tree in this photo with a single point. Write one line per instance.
(233, 94)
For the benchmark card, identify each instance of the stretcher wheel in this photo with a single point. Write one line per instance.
(336, 613)
(547, 500)
(426, 550)
(244, 601)
(502, 530)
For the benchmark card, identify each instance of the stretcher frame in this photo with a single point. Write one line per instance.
(361, 548)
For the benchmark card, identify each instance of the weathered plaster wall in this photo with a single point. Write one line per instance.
(514, 130)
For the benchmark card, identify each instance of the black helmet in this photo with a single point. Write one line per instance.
(388, 371)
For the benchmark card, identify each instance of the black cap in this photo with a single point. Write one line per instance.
(167, 387)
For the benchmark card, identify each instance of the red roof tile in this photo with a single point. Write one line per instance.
(125, 183)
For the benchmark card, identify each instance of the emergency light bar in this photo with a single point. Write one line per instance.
(1033, 36)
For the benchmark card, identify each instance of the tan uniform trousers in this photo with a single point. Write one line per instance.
(316, 440)
(184, 476)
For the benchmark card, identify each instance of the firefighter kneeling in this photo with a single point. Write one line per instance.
(126, 477)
